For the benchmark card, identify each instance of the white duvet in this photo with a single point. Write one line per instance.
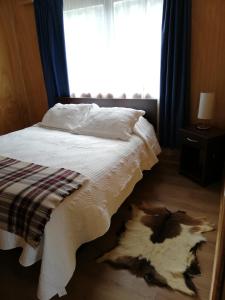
(113, 168)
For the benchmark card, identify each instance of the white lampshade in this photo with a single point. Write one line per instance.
(206, 106)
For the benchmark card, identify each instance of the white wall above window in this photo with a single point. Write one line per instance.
(113, 46)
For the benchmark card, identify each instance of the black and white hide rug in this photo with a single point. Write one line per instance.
(160, 246)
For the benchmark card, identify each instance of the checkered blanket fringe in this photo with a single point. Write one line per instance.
(29, 193)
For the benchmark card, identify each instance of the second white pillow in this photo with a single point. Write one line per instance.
(110, 122)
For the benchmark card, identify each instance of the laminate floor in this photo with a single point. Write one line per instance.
(92, 281)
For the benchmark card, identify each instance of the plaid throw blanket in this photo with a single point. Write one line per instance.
(29, 193)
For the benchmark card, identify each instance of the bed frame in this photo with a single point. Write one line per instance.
(148, 105)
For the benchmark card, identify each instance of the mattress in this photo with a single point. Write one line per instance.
(112, 167)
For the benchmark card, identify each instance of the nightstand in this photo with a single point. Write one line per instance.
(202, 154)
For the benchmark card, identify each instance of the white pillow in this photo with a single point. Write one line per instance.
(66, 116)
(112, 122)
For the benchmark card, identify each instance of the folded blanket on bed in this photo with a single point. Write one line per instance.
(29, 193)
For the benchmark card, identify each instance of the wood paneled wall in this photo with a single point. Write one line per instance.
(208, 55)
(30, 58)
(13, 97)
(23, 99)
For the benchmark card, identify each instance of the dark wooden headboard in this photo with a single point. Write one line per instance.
(148, 105)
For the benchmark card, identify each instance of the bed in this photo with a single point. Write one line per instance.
(113, 168)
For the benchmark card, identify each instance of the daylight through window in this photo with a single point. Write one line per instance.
(113, 46)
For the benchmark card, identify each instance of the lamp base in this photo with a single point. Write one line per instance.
(202, 126)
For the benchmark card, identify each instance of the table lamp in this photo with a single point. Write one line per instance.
(205, 110)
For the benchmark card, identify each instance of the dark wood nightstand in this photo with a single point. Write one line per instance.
(202, 154)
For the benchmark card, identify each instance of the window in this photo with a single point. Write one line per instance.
(113, 46)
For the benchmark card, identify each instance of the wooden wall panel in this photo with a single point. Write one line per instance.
(23, 99)
(13, 98)
(208, 55)
(30, 57)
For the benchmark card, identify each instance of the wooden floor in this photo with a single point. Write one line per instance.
(91, 281)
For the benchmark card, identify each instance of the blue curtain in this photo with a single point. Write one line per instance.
(49, 22)
(175, 70)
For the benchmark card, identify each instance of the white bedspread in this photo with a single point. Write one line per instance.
(113, 168)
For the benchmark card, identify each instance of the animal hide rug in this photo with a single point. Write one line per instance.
(160, 246)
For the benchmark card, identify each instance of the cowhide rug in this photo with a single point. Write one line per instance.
(160, 246)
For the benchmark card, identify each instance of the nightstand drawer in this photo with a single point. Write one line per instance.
(192, 139)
